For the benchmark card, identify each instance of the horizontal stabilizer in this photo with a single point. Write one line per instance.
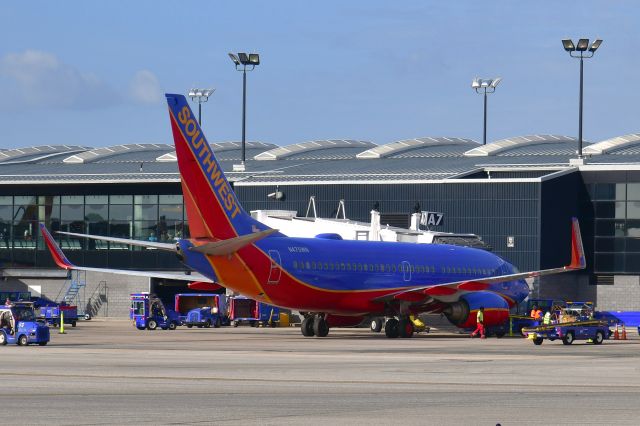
(232, 245)
(140, 243)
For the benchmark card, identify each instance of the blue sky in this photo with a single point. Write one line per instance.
(93, 73)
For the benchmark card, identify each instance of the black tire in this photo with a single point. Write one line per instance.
(23, 340)
(405, 328)
(538, 341)
(391, 328)
(189, 325)
(253, 323)
(568, 338)
(376, 324)
(173, 325)
(207, 324)
(218, 323)
(307, 327)
(599, 338)
(152, 324)
(73, 323)
(320, 327)
(235, 323)
(87, 317)
(3, 338)
(43, 343)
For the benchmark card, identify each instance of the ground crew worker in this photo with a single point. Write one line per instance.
(536, 313)
(479, 324)
(547, 318)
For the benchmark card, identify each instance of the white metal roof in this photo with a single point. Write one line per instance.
(504, 145)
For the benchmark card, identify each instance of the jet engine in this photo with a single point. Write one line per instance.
(463, 312)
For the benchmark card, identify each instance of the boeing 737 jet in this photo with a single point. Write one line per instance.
(339, 282)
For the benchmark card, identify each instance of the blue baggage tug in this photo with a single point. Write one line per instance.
(148, 312)
(18, 325)
(202, 309)
(255, 313)
(573, 324)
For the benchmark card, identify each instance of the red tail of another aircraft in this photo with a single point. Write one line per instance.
(213, 209)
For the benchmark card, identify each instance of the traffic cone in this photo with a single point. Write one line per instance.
(616, 334)
(61, 323)
(624, 332)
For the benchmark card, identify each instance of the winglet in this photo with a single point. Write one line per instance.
(577, 251)
(58, 256)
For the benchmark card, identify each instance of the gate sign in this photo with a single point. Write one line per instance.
(432, 219)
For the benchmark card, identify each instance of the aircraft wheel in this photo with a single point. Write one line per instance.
(3, 338)
(568, 338)
(152, 324)
(320, 327)
(405, 328)
(23, 340)
(599, 338)
(391, 328)
(376, 324)
(538, 341)
(307, 327)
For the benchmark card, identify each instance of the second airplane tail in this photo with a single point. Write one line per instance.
(213, 209)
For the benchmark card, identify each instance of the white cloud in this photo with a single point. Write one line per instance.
(145, 88)
(39, 79)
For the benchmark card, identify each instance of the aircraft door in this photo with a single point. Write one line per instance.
(274, 268)
(406, 270)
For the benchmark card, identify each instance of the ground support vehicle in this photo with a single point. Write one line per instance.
(52, 314)
(202, 309)
(243, 309)
(18, 325)
(148, 312)
(592, 330)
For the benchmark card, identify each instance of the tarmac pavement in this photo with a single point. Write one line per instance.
(107, 372)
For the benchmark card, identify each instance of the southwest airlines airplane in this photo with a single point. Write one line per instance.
(340, 282)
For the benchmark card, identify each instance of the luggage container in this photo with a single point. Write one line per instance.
(255, 313)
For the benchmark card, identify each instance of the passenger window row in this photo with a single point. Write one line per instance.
(386, 267)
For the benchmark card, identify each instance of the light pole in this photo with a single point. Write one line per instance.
(485, 86)
(242, 61)
(200, 96)
(582, 46)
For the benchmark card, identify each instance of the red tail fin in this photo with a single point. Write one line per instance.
(213, 209)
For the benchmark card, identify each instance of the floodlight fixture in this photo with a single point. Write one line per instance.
(200, 96)
(244, 62)
(581, 48)
(595, 45)
(485, 87)
(583, 45)
(234, 58)
(244, 58)
(568, 45)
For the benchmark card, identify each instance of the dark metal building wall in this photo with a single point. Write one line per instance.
(493, 210)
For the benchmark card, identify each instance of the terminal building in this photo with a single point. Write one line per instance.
(518, 194)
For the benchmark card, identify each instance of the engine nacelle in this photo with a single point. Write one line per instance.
(463, 312)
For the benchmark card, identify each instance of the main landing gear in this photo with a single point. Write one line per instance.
(315, 325)
(393, 327)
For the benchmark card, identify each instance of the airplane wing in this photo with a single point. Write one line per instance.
(437, 291)
(64, 263)
(140, 243)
